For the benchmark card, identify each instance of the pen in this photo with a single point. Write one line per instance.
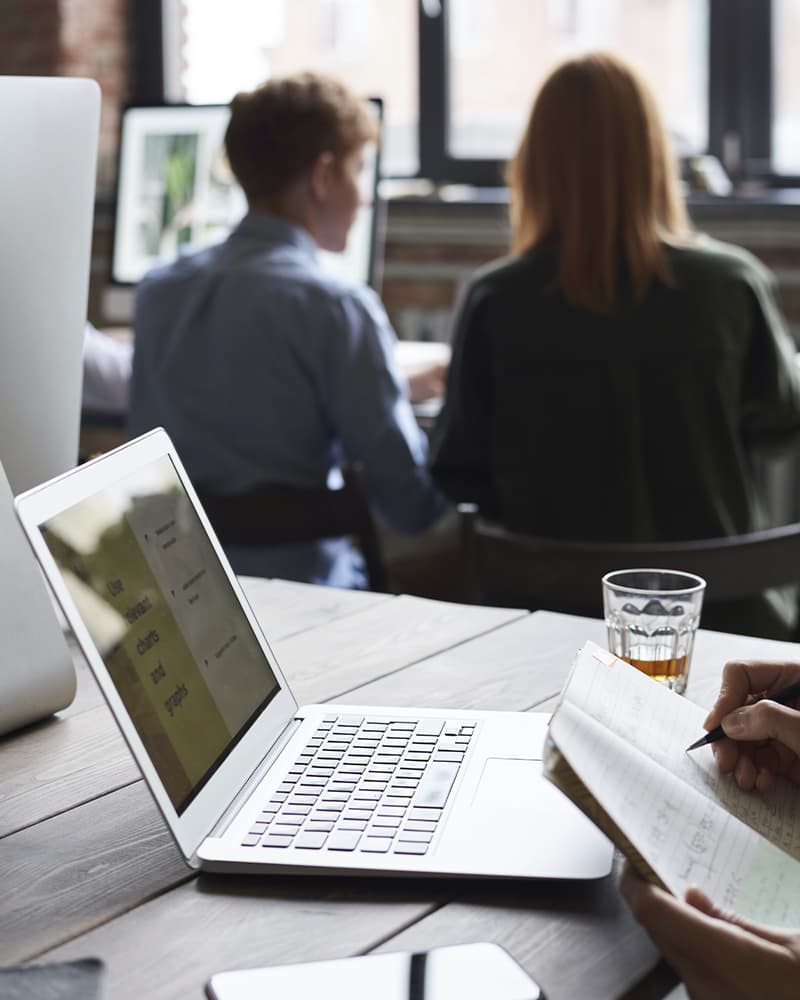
(717, 733)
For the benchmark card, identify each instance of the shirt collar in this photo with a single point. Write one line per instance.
(269, 228)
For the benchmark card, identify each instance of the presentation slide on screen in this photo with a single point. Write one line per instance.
(162, 612)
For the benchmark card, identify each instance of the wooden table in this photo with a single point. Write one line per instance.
(89, 868)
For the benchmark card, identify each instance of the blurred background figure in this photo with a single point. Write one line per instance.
(611, 378)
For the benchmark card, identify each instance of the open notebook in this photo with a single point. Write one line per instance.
(616, 747)
(246, 779)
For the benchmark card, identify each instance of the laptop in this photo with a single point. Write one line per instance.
(245, 778)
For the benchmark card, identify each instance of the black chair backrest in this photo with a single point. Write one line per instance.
(503, 567)
(283, 515)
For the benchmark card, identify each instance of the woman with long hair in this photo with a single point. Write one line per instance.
(611, 377)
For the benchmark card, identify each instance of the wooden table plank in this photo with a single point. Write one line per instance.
(64, 876)
(578, 940)
(216, 923)
(333, 662)
(58, 764)
(527, 662)
(575, 940)
(284, 607)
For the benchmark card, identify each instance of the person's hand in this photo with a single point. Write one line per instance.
(427, 383)
(764, 737)
(716, 953)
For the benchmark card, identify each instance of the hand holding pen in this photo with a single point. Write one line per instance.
(756, 711)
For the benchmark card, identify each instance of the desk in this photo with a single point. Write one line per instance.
(89, 868)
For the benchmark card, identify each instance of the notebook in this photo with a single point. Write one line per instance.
(245, 778)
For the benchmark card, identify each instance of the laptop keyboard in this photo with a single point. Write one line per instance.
(366, 784)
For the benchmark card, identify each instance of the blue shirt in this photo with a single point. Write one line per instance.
(264, 369)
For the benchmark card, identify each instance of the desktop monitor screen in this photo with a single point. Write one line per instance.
(176, 194)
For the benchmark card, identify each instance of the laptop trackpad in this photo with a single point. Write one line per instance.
(517, 814)
(507, 782)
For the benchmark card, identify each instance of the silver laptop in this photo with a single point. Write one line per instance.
(246, 779)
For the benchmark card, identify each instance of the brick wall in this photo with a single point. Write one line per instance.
(90, 38)
(431, 250)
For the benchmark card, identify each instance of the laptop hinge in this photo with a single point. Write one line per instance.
(247, 788)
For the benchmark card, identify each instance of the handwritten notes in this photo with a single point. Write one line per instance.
(624, 736)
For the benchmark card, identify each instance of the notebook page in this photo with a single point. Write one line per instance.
(662, 724)
(683, 835)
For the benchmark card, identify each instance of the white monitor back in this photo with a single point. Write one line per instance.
(48, 133)
(38, 676)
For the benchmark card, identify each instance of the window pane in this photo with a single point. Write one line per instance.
(501, 51)
(221, 48)
(786, 87)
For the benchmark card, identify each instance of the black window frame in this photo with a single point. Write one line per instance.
(740, 99)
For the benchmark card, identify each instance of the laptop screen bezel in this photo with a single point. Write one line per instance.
(34, 509)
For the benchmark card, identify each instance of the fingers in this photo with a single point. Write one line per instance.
(698, 899)
(742, 679)
(715, 953)
(766, 720)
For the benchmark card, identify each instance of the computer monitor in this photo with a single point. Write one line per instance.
(176, 194)
(48, 130)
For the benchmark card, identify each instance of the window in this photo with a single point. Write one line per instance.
(499, 53)
(213, 50)
(786, 87)
(458, 76)
(496, 55)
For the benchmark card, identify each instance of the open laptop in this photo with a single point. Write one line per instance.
(246, 779)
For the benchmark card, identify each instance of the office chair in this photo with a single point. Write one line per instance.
(504, 568)
(282, 515)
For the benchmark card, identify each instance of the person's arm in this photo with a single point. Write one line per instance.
(107, 364)
(367, 402)
(460, 439)
(771, 380)
(763, 736)
(716, 953)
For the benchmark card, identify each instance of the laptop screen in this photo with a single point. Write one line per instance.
(157, 603)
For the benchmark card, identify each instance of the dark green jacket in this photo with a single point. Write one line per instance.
(632, 427)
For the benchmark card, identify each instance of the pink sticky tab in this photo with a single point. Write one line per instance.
(603, 656)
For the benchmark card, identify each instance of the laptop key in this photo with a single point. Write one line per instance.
(276, 840)
(351, 824)
(436, 784)
(407, 847)
(292, 809)
(251, 840)
(311, 839)
(429, 727)
(374, 845)
(343, 840)
(425, 814)
(358, 814)
(318, 825)
(415, 836)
